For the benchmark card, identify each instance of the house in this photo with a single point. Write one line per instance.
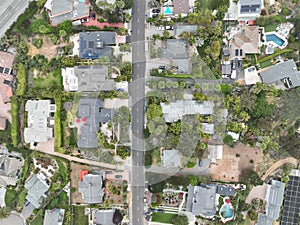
(282, 73)
(176, 50)
(225, 190)
(40, 121)
(247, 41)
(208, 128)
(62, 10)
(291, 207)
(92, 114)
(37, 187)
(93, 45)
(106, 217)
(171, 158)
(215, 152)
(249, 9)
(181, 7)
(11, 164)
(180, 28)
(6, 77)
(202, 200)
(2, 123)
(174, 111)
(87, 79)
(54, 216)
(91, 188)
(274, 199)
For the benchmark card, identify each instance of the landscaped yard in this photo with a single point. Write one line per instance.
(38, 220)
(162, 217)
(270, 27)
(53, 79)
(79, 218)
(265, 64)
(21, 199)
(10, 197)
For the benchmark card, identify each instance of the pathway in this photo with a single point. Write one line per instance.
(96, 23)
(278, 164)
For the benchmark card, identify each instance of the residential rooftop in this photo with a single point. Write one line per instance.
(91, 188)
(54, 216)
(181, 7)
(249, 9)
(62, 10)
(171, 158)
(175, 110)
(94, 114)
(180, 28)
(96, 44)
(215, 152)
(39, 121)
(285, 72)
(87, 79)
(202, 200)
(37, 187)
(6, 77)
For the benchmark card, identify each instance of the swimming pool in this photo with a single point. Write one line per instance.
(275, 39)
(226, 211)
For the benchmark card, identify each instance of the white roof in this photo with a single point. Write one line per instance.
(251, 76)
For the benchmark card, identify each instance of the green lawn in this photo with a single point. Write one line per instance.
(265, 64)
(270, 27)
(162, 217)
(79, 218)
(21, 199)
(54, 79)
(10, 197)
(61, 201)
(38, 220)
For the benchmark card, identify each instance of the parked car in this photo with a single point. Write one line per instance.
(160, 28)
(93, 16)
(118, 176)
(251, 69)
(120, 90)
(169, 27)
(225, 76)
(200, 162)
(154, 15)
(156, 10)
(233, 65)
(162, 67)
(84, 20)
(233, 74)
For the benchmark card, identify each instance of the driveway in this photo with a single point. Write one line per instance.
(257, 192)
(14, 218)
(152, 29)
(27, 210)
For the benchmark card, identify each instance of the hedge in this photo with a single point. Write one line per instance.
(22, 80)
(15, 121)
(57, 125)
(269, 57)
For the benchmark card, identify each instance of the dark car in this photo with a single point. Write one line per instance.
(162, 67)
(154, 15)
(233, 65)
(84, 20)
(156, 10)
(93, 16)
(169, 27)
(118, 176)
(120, 90)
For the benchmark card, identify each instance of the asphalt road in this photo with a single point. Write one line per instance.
(10, 10)
(137, 94)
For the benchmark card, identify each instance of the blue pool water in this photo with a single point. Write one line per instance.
(168, 10)
(228, 212)
(274, 38)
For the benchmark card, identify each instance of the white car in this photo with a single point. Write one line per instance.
(160, 28)
(233, 74)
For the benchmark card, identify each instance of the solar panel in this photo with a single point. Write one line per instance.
(291, 205)
(250, 8)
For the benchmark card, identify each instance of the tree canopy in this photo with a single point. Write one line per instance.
(180, 220)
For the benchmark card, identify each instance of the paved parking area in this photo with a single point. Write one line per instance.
(151, 29)
(14, 219)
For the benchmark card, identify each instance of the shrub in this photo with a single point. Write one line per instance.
(15, 121)
(21, 80)
(228, 140)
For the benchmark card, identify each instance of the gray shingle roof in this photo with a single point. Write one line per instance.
(104, 217)
(96, 44)
(62, 10)
(280, 71)
(93, 111)
(264, 220)
(91, 188)
(93, 78)
(201, 200)
(181, 6)
(171, 158)
(176, 49)
(174, 111)
(36, 187)
(225, 190)
(180, 28)
(54, 217)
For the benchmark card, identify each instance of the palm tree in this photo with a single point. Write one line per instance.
(4, 212)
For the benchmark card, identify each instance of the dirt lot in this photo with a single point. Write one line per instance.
(230, 167)
(48, 49)
(75, 173)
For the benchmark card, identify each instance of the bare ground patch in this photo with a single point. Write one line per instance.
(234, 161)
(48, 49)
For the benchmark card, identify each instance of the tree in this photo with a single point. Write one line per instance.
(228, 140)
(153, 111)
(4, 212)
(180, 220)
(62, 33)
(126, 71)
(68, 61)
(193, 180)
(249, 176)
